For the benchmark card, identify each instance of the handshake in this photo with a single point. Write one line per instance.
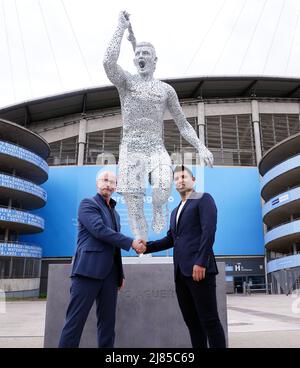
(140, 246)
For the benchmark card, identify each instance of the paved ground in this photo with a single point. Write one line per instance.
(263, 321)
(23, 324)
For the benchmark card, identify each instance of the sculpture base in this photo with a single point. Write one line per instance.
(148, 315)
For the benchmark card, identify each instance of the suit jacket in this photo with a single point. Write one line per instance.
(193, 237)
(98, 244)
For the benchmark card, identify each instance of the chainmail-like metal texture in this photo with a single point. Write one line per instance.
(143, 157)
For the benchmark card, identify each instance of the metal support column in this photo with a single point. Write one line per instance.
(81, 141)
(201, 124)
(256, 128)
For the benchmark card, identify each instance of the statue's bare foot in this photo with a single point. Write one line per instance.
(159, 221)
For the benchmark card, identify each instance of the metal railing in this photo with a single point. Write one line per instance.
(249, 288)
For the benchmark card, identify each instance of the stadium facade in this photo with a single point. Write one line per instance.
(280, 188)
(240, 119)
(22, 169)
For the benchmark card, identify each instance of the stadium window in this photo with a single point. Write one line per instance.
(69, 151)
(102, 146)
(37, 268)
(5, 263)
(29, 264)
(2, 234)
(176, 145)
(64, 152)
(32, 268)
(231, 140)
(275, 128)
(17, 268)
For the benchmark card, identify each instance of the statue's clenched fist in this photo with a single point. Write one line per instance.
(124, 19)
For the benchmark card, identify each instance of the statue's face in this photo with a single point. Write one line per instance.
(145, 59)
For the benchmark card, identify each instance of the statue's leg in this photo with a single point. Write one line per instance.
(136, 215)
(161, 182)
(132, 184)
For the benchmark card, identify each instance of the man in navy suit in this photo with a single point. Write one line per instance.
(192, 234)
(97, 271)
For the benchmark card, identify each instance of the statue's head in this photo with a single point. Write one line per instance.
(145, 58)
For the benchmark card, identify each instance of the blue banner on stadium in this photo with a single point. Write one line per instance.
(20, 250)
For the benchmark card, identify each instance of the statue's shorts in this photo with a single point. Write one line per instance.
(135, 168)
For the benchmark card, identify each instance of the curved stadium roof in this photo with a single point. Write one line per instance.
(187, 89)
(17, 134)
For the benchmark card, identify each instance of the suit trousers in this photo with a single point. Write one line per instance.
(84, 291)
(198, 304)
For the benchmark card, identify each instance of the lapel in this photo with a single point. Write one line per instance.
(117, 220)
(187, 203)
(194, 195)
(102, 205)
(173, 217)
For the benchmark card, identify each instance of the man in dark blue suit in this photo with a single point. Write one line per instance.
(192, 234)
(97, 271)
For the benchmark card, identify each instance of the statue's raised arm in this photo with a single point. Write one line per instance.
(113, 71)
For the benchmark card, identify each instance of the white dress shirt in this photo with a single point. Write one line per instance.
(179, 211)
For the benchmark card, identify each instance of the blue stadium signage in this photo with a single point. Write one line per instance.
(280, 199)
(23, 154)
(20, 250)
(20, 217)
(11, 182)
